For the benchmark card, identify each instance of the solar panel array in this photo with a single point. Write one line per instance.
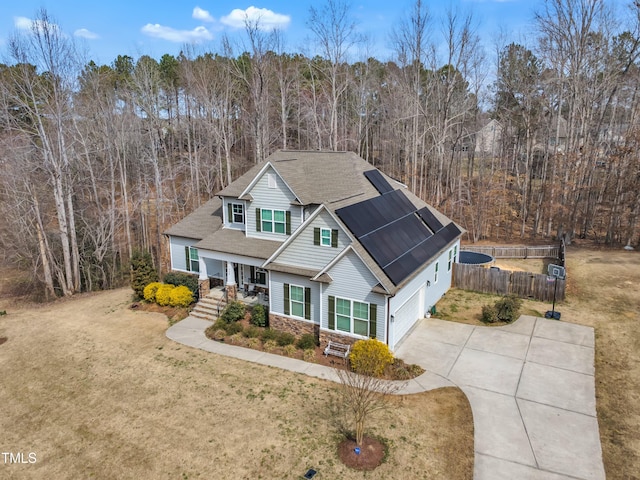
(399, 237)
(378, 181)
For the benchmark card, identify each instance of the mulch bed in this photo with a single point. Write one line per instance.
(372, 453)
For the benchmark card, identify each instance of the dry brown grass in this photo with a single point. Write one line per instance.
(97, 391)
(602, 288)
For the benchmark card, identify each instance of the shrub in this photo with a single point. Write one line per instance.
(181, 297)
(252, 332)
(253, 342)
(309, 356)
(259, 316)
(143, 272)
(269, 334)
(285, 338)
(370, 357)
(238, 338)
(306, 342)
(219, 324)
(489, 314)
(219, 334)
(179, 279)
(290, 350)
(504, 310)
(163, 294)
(233, 328)
(270, 345)
(150, 290)
(233, 312)
(508, 308)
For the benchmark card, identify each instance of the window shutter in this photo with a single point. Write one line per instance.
(288, 226)
(316, 236)
(252, 272)
(187, 259)
(334, 238)
(307, 303)
(229, 213)
(332, 312)
(258, 221)
(373, 311)
(286, 299)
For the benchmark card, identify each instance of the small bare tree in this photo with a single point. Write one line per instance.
(364, 391)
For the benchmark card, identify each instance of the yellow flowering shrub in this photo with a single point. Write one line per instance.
(180, 297)
(370, 357)
(150, 290)
(163, 294)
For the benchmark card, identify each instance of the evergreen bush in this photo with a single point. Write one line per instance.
(182, 279)
(143, 272)
(259, 316)
(306, 342)
(233, 312)
(285, 338)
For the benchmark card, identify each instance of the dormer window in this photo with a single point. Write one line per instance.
(235, 213)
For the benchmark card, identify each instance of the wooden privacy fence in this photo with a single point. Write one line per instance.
(542, 251)
(501, 282)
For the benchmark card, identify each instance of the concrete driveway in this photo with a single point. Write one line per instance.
(532, 392)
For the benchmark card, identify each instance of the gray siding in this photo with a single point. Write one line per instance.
(178, 257)
(278, 198)
(215, 268)
(276, 293)
(353, 280)
(302, 252)
(225, 213)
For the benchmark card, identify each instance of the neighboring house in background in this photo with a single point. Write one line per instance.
(488, 139)
(342, 250)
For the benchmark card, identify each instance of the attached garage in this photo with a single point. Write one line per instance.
(406, 316)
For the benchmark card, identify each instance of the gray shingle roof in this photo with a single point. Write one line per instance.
(201, 223)
(228, 240)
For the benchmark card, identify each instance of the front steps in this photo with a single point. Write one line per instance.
(208, 308)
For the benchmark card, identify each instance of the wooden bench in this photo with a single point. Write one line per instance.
(337, 349)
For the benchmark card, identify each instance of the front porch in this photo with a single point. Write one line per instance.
(249, 298)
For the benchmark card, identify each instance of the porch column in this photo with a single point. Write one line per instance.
(203, 278)
(232, 288)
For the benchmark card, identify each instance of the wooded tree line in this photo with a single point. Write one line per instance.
(98, 160)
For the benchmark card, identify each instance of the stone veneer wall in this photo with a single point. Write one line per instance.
(286, 324)
(205, 287)
(325, 336)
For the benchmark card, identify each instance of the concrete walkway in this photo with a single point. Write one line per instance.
(530, 384)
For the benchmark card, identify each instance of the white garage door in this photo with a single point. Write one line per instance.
(407, 315)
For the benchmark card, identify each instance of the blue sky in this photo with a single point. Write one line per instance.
(143, 27)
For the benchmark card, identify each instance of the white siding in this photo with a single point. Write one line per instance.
(302, 252)
(178, 256)
(353, 280)
(278, 198)
(276, 293)
(433, 291)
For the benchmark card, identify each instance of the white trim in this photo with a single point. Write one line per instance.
(322, 230)
(260, 174)
(335, 316)
(303, 303)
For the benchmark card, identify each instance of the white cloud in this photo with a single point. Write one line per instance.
(84, 33)
(28, 25)
(197, 35)
(201, 14)
(265, 18)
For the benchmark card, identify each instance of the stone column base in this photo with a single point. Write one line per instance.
(204, 287)
(232, 293)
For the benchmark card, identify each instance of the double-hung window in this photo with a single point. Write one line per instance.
(297, 301)
(325, 237)
(435, 275)
(193, 263)
(350, 316)
(273, 220)
(237, 213)
(455, 254)
(450, 258)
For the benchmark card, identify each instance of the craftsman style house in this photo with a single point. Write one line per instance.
(338, 248)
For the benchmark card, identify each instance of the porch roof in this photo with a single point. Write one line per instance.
(229, 240)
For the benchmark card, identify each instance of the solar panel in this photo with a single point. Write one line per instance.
(430, 219)
(369, 215)
(378, 181)
(399, 237)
